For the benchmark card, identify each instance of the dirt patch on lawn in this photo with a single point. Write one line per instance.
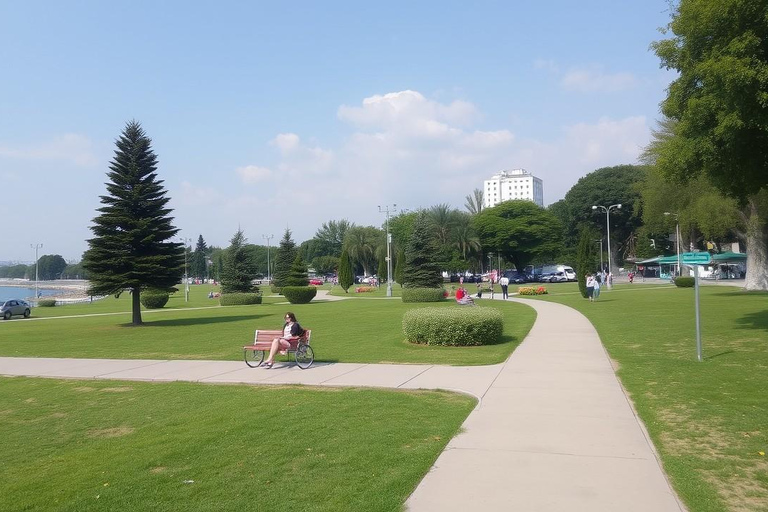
(122, 389)
(110, 432)
(84, 389)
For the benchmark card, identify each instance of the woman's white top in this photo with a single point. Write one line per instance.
(287, 330)
(590, 282)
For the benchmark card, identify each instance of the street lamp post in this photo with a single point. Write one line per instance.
(601, 253)
(268, 238)
(186, 275)
(387, 211)
(36, 247)
(677, 240)
(607, 211)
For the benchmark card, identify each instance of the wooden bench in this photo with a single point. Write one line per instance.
(255, 353)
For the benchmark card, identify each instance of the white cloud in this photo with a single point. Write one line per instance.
(198, 196)
(416, 152)
(70, 147)
(253, 174)
(594, 79)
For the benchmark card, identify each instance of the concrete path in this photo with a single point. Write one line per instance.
(553, 430)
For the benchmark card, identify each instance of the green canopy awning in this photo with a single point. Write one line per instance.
(725, 257)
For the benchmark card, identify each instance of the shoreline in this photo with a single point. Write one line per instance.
(66, 289)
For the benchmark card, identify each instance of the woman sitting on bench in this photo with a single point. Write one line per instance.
(291, 331)
(462, 297)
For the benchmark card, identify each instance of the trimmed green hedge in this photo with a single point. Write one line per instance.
(299, 294)
(153, 299)
(453, 326)
(239, 299)
(275, 289)
(46, 303)
(423, 294)
(684, 282)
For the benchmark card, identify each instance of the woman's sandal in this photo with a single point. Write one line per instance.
(267, 365)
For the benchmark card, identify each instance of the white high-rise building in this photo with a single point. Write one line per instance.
(514, 184)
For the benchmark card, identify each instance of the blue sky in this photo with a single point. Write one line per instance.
(331, 107)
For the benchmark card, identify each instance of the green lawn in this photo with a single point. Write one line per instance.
(354, 330)
(94, 445)
(709, 420)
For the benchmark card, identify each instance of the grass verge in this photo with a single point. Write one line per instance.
(368, 331)
(708, 420)
(95, 445)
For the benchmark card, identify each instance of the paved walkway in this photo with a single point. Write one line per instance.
(553, 430)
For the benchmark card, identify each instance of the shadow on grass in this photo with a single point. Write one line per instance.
(177, 322)
(720, 354)
(756, 320)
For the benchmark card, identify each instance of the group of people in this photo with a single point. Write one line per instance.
(595, 282)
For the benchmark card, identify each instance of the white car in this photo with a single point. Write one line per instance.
(558, 277)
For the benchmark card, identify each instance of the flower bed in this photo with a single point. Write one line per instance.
(532, 290)
(365, 289)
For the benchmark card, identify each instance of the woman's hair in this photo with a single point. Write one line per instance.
(291, 316)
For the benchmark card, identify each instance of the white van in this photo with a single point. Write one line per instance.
(568, 271)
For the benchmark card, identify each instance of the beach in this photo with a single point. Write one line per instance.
(65, 290)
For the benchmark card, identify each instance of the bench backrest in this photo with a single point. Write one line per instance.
(269, 335)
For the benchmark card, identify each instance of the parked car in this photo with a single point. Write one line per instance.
(316, 282)
(15, 307)
(558, 277)
(515, 277)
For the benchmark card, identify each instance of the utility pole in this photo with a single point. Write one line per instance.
(677, 240)
(36, 247)
(186, 241)
(268, 238)
(387, 211)
(607, 210)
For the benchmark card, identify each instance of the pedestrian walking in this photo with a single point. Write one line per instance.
(504, 283)
(590, 287)
(597, 285)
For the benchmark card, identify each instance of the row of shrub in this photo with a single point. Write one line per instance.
(423, 294)
(453, 326)
(239, 299)
(46, 303)
(532, 290)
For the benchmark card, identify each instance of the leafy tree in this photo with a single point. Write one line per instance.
(345, 275)
(718, 48)
(132, 247)
(465, 239)
(50, 266)
(325, 264)
(330, 237)
(382, 271)
(284, 258)
(15, 271)
(298, 273)
(239, 270)
(199, 266)
(74, 271)
(606, 186)
(474, 201)
(521, 231)
(421, 270)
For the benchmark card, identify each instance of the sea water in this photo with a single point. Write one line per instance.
(19, 292)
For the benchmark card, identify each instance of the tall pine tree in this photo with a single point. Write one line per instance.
(199, 267)
(239, 269)
(132, 247)
(298, 273)
(286, 254)
(421, 270)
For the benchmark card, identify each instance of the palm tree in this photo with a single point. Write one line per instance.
(465, 239)
(442, 220)
(361, 243)
(474, 202)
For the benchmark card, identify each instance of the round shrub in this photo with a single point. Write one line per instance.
(275, 289)
(453, 326)
(299, 294)
(46, 303)
(423, 294)
(684, 282)
(154, 299)
(239, 299)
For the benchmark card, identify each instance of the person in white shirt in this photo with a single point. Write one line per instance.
(590, 287)
(504, 282)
